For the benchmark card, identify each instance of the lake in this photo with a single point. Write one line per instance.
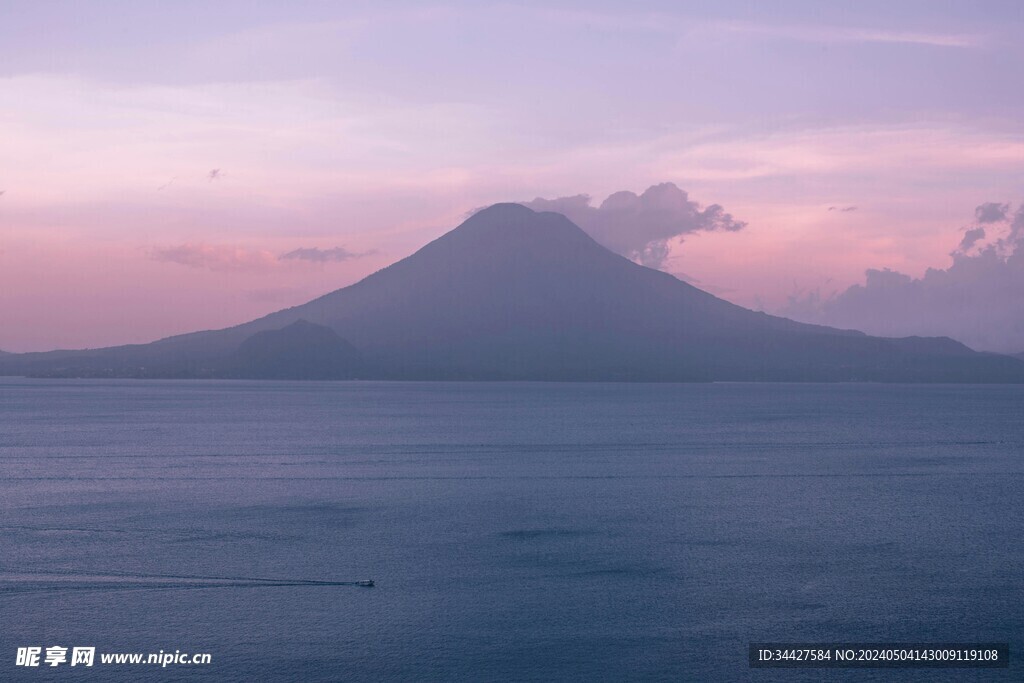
(515, 531)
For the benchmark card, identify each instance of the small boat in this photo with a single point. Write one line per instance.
(365, 584)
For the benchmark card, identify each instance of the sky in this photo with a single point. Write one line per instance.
(168, 167)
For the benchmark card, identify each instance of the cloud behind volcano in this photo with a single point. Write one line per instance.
(641, 227)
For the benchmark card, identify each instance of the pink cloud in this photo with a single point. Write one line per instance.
(216, 257)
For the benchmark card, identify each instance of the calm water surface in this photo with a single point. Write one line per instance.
(515, 531)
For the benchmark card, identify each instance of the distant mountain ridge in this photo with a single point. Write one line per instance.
(513, 294)
(300, 350)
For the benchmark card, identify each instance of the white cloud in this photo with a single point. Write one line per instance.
(641, 226)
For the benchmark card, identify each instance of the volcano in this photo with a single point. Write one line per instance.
(513, 294)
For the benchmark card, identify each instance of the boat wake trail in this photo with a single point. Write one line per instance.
(15, 582)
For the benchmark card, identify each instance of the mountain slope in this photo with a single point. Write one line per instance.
(514, 294)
